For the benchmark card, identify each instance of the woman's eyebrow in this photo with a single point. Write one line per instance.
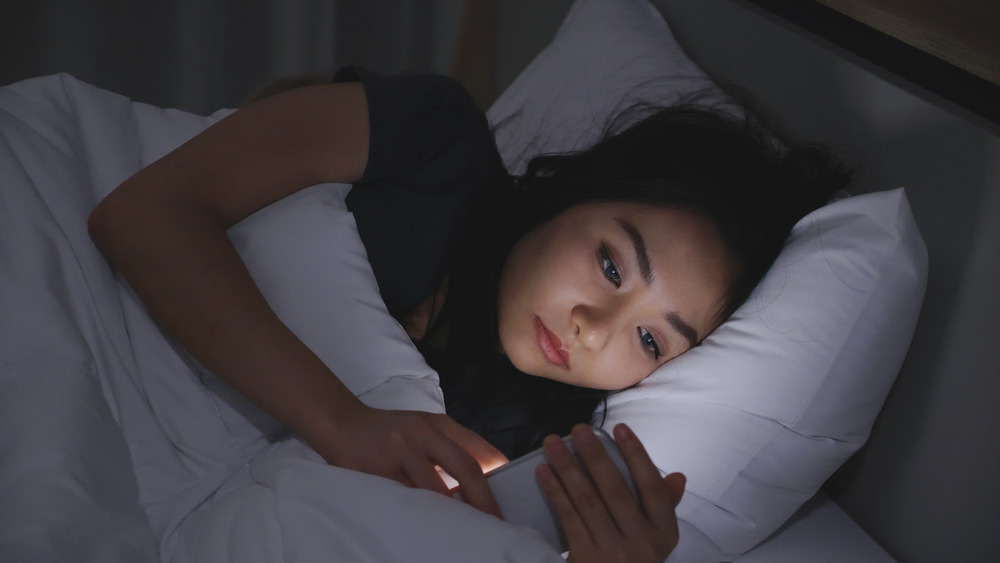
(686, 330)
(639, 244)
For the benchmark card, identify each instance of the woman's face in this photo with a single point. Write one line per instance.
(604, 293)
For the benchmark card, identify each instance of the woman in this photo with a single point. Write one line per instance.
(570, 273)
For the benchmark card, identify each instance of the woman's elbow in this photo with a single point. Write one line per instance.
(100, 222)
(111, 220)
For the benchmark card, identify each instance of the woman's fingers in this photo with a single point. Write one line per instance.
(676, 482)
(610, 482)
(488, 456)
(409, 447)
(659, 496)
(455, 459)
(574, 529)
(422, 475)
(587, 500)
(601, 518)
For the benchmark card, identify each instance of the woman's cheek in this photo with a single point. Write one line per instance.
(615, 370)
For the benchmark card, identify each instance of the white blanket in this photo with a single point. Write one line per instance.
(114, 445)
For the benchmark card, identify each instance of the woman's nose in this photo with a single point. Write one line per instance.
(592, 325)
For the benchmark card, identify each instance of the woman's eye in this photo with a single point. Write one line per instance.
(649, 343)
(608, 267)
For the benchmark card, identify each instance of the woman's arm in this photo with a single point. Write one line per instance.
(165, 229)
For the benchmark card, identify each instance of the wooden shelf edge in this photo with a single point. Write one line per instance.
(938, 76)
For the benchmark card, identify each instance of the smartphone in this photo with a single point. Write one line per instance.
(522, 500)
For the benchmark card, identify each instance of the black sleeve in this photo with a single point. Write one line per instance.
(431, 156)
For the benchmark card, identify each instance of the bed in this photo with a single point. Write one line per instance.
(116, 445)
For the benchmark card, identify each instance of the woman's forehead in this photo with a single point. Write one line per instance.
(654, 222)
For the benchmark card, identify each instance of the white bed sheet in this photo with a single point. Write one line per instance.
(819, 532)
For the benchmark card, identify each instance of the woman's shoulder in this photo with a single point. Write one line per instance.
(426, 132)
(431, 159)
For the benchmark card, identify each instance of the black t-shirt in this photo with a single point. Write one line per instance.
(431, 157)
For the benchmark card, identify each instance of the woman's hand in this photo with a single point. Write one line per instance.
(407, 446)
(601, 519)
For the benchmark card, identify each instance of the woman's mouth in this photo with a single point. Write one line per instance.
(551, 346)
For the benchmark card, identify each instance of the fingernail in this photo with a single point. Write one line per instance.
(554, 446)
(543, 473)
(584, 435)
(623, 432)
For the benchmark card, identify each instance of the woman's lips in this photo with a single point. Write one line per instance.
(551, 345)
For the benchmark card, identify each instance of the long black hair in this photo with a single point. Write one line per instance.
(726, 165)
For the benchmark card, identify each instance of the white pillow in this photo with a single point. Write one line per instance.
(779, 396)
(296, 250)
(605, 57)
(306, 256)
